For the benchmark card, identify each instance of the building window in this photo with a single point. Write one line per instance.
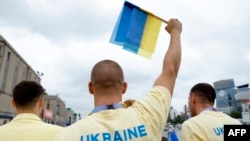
(6, 70)
(48, 105)
(57, 108)
(15, 73)
(29, 75)
(24, 72)
(0, 52)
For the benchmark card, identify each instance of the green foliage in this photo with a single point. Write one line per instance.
(170, 120)
(235, 114)
(177, 120)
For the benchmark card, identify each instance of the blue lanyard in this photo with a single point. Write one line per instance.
(209, 109)
(107, 107)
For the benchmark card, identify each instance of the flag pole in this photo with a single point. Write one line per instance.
(154, 15)
(160, 18)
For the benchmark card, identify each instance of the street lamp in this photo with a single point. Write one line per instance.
(39, 73)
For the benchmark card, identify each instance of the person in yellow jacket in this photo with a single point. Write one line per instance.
(206, 123)
(28, 100)
(145, 119)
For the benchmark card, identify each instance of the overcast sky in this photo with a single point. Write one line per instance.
(64, 39)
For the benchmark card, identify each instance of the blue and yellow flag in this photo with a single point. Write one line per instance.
(172, 136)
(136, 30)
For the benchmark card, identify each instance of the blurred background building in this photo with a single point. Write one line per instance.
(233, 100)
(14, 69)
(59, 114)
(243, 94)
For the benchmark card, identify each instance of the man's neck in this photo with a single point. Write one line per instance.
(100, 101)
(204, 108)
(31, 111)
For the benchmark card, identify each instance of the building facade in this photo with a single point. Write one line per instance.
(225, 96)
(57, 106)
(172, 113)
(71, 117)
(60, 115)
(243, 94)
(13, 69)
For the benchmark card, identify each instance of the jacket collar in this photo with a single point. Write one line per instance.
(27, 116)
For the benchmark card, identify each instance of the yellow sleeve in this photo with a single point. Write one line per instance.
(155, 107)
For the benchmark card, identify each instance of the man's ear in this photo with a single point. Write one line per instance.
(91, 90)
(13, 103)
(193, 98)
(124, 87)
(41, 102)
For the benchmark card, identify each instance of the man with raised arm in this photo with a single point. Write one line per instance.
(145, 119)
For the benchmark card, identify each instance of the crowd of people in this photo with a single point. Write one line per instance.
(108, 121)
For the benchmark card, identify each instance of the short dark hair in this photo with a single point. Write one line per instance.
(204, 91)
(27, 93)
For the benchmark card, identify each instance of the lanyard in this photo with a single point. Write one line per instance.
(107, 107)
(209, 109)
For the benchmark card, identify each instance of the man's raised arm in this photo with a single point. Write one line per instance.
(172, 59)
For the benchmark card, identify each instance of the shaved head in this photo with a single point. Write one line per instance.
(107, 74)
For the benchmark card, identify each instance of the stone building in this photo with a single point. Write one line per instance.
(57, 106)
(225, 96)
(13, 69)
(243, 94)
(58, 113)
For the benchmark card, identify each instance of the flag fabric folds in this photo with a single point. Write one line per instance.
(136, 30)
(172, 136)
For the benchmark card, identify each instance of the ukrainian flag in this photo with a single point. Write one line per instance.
(172, 135)
(136, 30)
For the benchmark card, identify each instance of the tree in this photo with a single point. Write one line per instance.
(235, 114)
(170, 121)
(177, 119)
